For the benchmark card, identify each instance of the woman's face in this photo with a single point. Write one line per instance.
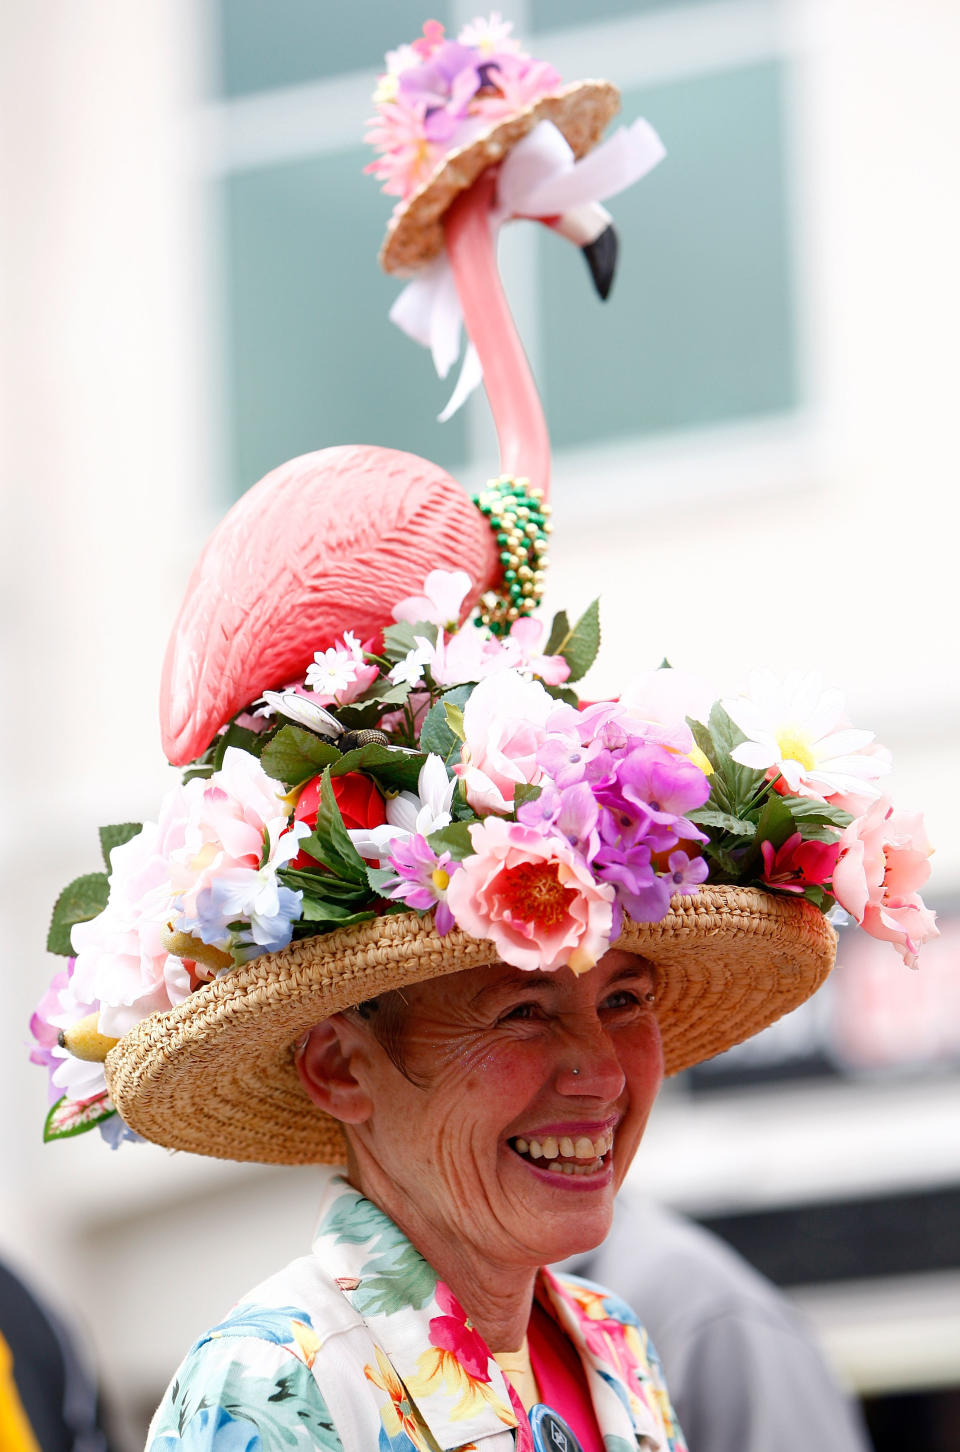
(497, 1146)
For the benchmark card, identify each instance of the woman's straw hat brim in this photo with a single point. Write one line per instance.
(414, 237)
(216, 1074)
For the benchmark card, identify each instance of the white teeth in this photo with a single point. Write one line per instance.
(535, 1149)
(550, 1147)
(582, 1155)
(522, 1146)
(585, 1149)
(566, 1147)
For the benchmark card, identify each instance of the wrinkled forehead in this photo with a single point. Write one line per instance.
(473, 985)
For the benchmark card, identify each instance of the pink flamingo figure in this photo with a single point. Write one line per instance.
(338, 536)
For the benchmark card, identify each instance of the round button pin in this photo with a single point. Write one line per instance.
(550, 1431)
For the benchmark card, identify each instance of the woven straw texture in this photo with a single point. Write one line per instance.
(415, 233)
(216, 1074)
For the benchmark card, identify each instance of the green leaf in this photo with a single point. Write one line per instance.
(241, 736)
(723, 821)
(436, 735)
(559, 633)
(580, 648)
(380, 877)
(398, 640)
(67, 1117)
(733, 787)
(295, 755)
(392, 769)
(338, 915)
(329, 841)
(701, 735)
(775, 822)
(524, 791)
(115, 836)
(561, 693)
(806, 810)
(454, 838)
(454, 715)
(83, 899)
(322, 885)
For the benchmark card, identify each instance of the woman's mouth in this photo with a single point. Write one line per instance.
(565, 1154)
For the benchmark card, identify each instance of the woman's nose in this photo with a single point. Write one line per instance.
(589, 1065)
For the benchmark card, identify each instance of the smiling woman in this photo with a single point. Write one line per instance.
(418, 915)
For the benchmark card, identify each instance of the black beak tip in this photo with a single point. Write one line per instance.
(601, 255)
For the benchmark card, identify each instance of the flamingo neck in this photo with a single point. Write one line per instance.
(514, 400)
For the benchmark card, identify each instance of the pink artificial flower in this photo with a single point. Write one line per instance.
(406, 157)
(519, 81)
(521, 649)
(490, 36)
(884, 861)
(121, 963)
(666, 698)
(456, 1333)
(533, 897)
(798, 864)
(504, 726)
(441, 603)
(431, 40)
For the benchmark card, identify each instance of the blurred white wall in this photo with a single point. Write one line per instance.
(835, 549)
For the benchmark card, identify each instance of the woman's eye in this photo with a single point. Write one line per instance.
(623, 998)
(519, 1013)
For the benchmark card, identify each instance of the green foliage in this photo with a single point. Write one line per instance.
(329, 842)
(393, 769)
(295, 755)
(524, 792)
(437, 733)
(81, 900)
(745, 810)
(577, 644)
(454, 838)
(115, 836)
(399, 640)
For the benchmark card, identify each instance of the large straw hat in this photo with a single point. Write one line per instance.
(581, 111)
(216, 1075)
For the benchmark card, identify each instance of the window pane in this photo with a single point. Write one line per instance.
(558, 14)
(266, 43)
(312, 358)
(699, 326)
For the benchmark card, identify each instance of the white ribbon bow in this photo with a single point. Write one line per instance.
(540, 178)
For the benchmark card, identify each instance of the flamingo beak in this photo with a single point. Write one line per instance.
(590, 227)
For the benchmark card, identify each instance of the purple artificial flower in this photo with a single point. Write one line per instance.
(571, 813)
(685, 874)
(661, 788)
(447, 83)
(564, 759)
(422, 879)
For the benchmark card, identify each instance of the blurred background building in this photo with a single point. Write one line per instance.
(756, 453)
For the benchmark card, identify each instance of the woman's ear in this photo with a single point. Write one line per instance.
(325, 1065)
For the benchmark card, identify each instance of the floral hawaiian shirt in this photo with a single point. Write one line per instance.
(358, 1346)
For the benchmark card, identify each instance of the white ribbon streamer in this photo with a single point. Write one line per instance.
(539, 179)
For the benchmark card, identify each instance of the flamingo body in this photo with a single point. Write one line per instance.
(327, 542)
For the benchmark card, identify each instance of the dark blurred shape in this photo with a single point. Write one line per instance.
(927, 1421)
(903, 1234)
(743, 1370)
(47, 1398)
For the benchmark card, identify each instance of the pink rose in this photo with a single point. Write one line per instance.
(883, 862)
(504, 725)
(533, 897)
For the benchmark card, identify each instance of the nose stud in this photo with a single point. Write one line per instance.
(574, 1071)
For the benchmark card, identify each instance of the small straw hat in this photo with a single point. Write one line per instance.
(581, 111)
(216, 1075)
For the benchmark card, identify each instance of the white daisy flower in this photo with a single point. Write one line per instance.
(800, 730)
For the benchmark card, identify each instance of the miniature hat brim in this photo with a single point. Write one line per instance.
(414, 237)
(216, 1075)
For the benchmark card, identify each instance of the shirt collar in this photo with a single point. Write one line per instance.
(611, 1345)
(448, 1373)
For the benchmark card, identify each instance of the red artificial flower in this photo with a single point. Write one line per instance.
(798, 864)
(360, 803)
